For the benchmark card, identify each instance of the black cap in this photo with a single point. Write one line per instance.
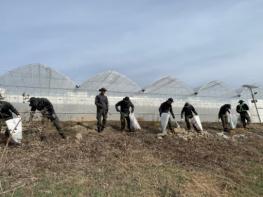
(126, 98)
(228, 105)
(103, 90)
(241, 101)
(31, 99)
(170, 99)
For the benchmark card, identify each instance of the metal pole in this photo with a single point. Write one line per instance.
(254, 101)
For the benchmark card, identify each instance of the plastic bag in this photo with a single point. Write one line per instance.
(164, 122)
(232, 120)
(15, 129)
(134, 123)
(196, 122)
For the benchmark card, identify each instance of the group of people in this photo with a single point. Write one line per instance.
(225, 112)
(125, 107)
(187, 112)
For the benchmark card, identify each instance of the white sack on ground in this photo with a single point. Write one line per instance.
(134, 123)
(196, 122)
(15, 129)
(164, 122)
(232, 120)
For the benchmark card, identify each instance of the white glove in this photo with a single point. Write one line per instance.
(18, 116)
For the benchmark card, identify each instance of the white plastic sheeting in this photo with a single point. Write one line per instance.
(78, 103)
(35, 78)
(112, 81)
(246, 93)
(215, 89)
(168, 86)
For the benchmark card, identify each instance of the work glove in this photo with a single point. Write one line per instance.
(173, 117)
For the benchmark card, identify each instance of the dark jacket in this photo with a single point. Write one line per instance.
(101, 101)
(6, 110)
(188, 111)
(242, 108)
(41, 104)
(223, 110)
(125, 106)
(165, 108)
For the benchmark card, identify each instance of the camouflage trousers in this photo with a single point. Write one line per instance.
(46, 116)
(125, 118)
(225, 123)
(101, 119)
(2, 126)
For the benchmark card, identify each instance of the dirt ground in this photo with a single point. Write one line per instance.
(115, 163)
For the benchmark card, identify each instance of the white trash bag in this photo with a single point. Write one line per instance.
(232, 120)
(164, 122)
(134, 123)
(15, 129)
(196, 122)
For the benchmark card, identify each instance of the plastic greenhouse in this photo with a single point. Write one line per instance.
(215, 89)
(77, 103)
(169, 86)
(112, 80)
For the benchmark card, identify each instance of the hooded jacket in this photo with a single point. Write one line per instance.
(125, 106)
(165, 108)
(223, 110)
(242, 108)
(188, 111)
(6, 110)
(40, 104)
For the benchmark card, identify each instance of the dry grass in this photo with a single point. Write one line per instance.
(133, 164)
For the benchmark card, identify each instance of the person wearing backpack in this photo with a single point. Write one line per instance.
(243, 110)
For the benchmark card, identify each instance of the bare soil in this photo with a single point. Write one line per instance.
(114, 163)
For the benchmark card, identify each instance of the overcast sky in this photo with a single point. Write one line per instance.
(195, 41)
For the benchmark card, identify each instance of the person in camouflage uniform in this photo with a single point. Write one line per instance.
(6, 110)
(124, 110)
(243, 110)
(102, 104)
(46, 108)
